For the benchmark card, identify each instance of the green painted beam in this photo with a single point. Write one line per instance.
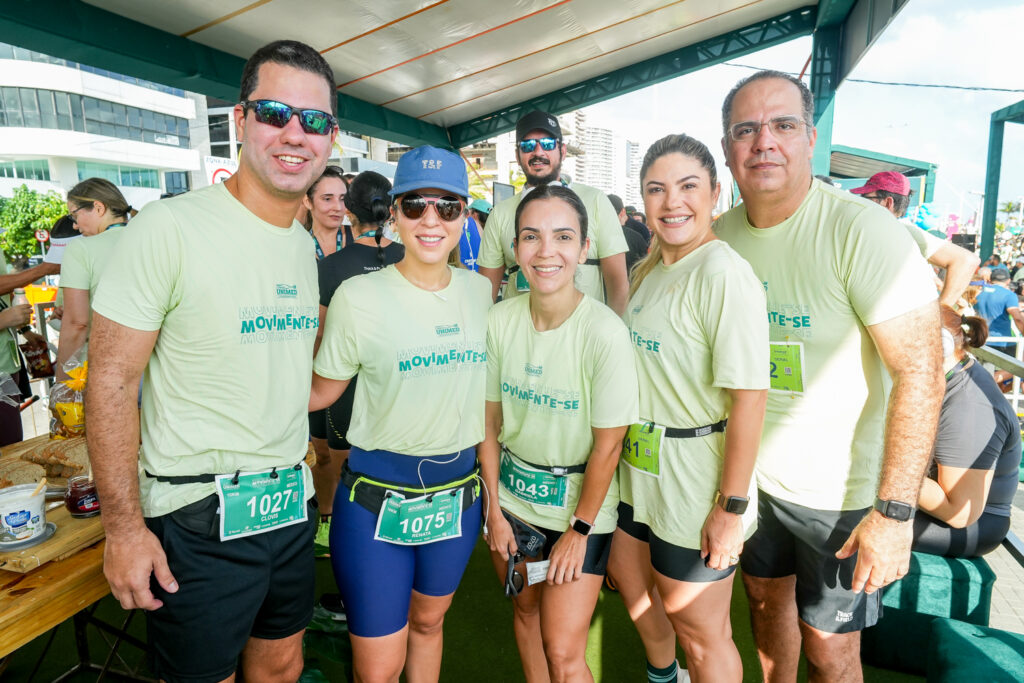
(865, 22)
(685, 60)
(923, 166)
(833, 12)
(1014, 113)
(824, 81)
(72, 29)
(992, 173)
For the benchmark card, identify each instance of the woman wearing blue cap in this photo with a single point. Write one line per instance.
(407, 512)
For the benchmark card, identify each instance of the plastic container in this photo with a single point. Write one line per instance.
(81, 499)
(22, 515)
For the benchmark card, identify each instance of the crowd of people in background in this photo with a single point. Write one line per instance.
(650, 397)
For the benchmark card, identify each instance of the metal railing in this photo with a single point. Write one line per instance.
(1015, 366)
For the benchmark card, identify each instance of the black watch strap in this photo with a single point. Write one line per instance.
(894, 509)
(736, 505)
(23, 330)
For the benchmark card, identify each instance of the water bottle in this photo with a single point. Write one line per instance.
(19, 297)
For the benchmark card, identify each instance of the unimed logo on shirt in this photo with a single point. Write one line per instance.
(447, 330)
(535, 370)
(287, 291)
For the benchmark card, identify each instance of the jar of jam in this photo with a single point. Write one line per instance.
(81, 499)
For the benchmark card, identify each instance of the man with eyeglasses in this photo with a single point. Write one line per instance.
(540, 151)
(214, 295)
(891, 190)
(838, 472)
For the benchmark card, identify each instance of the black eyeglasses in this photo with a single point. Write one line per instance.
(546, 144)
(278, 114)
(514, 580)
(448, 208)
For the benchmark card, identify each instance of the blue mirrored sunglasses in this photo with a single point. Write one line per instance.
(546, 144)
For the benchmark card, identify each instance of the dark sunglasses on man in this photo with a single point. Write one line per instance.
(278, 114)
(546, 144)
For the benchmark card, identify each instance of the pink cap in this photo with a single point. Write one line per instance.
(888, 181)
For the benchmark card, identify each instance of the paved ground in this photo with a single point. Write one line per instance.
(1008, 594)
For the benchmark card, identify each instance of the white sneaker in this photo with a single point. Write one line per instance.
(681, 675)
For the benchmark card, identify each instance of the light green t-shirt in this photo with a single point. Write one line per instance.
(698, 330)
(604, 231)
(236, 302)
(10, 359)
(84, 262)
(554, 386)
(830, 270)
(421, 358)
(925, 241)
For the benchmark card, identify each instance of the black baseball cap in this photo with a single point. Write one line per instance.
(1000, 275)
(538, 120)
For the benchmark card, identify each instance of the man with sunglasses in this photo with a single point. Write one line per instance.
(838, 471)
(891, 190)
(214, 295)
(540, 151)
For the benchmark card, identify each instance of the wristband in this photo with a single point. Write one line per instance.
(896, 510)
(23, 330)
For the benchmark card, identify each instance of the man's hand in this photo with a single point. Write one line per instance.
(721, 538)
(128, 562)
(16, 316)
(883, 551)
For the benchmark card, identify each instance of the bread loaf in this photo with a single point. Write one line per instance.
(66, 458)
(14, 471)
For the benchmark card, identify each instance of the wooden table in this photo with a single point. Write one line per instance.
(33, 603)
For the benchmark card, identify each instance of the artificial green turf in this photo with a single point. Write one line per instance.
(479, 643)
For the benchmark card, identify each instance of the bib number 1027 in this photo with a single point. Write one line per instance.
(253, 503)
(268, 504)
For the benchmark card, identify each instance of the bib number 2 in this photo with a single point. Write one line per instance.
(257, 502)
(786, 362)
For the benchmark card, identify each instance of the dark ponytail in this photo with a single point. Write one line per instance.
(965, 330)
(367, 200)
(975, 331)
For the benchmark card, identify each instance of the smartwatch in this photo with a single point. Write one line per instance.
(736, 505)
(23, 330)
(579, 526)
(894, 509)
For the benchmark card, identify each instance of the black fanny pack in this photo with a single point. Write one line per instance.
(557, 470)
(370, 493)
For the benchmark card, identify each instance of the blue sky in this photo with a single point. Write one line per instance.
(976, 43)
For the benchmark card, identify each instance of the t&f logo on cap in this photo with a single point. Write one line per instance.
(431, 167)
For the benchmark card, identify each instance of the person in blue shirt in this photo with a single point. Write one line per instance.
(472, 230)
(997, 304)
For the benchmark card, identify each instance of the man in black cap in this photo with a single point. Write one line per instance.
(540, 151)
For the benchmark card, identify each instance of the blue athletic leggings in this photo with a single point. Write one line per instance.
(376, 579)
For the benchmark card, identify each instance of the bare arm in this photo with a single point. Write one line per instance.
(570, 549)
(616, 282)
(722, 534)
(319, 330)
(117, 358)
(1018, 319)
(499, 534)
(10, 282)
(324, 392)
(960, 265)
(958, 497)
(73, 327)
(494, 275)
(910, 347)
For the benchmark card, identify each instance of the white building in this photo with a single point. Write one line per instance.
(62, 122)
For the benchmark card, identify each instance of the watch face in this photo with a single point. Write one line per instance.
(735, 505)
(581, 527)
(901, 512)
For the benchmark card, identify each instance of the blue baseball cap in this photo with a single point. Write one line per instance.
(427, 166)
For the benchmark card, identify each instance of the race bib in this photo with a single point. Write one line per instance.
(533, 485)
(416, 521)
(260, 501)
(641, 449)
(786, 367)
